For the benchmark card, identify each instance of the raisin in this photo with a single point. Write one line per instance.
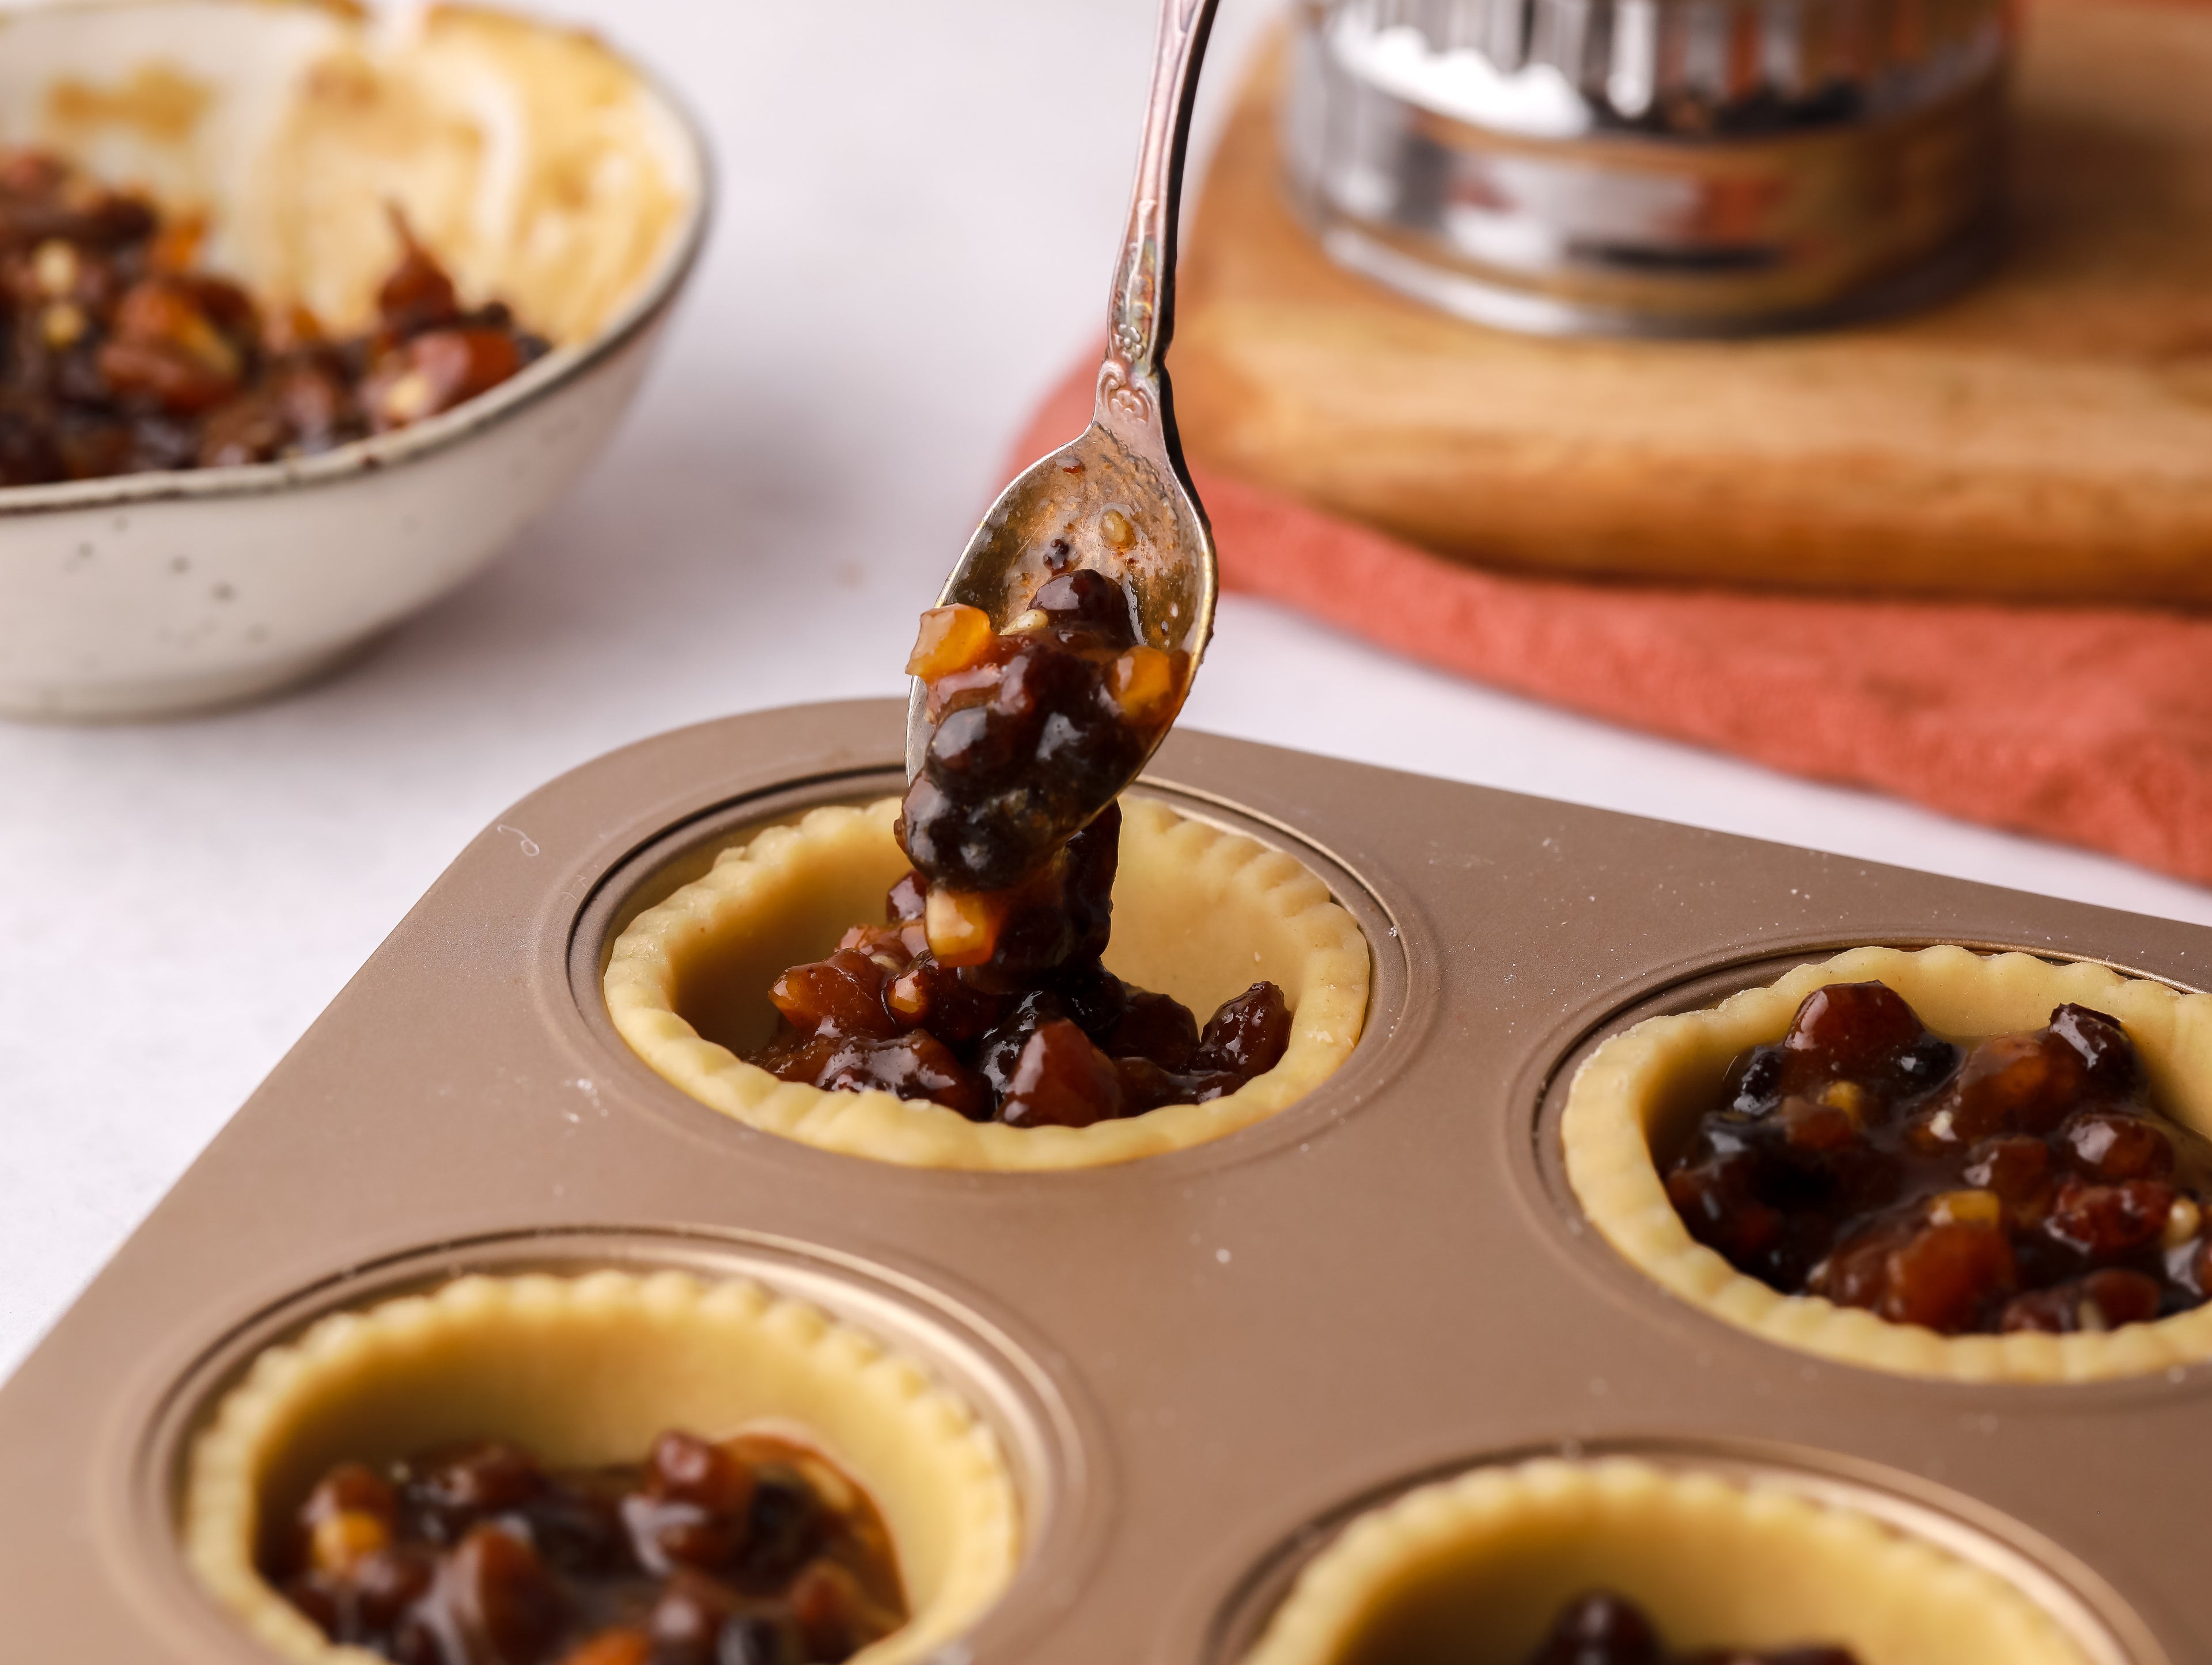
(2015, 1083)
(505, 1605)
(1036, 681)
(684, 1468)
(1940, 1275)
(577, 1529)
(415, 293)
(168, 376)
(764, 1640)
(436, 371)
(2104, 1300)
(318, 1596)
(1098, 1000)
(2111, 1145)
(94, 445)
(1156, 1028)
(1753, 1083)
(460, 1486)
(386, 1584)
(1718, 1204)
(160, 439)
(1856, 1272)
(1852, 1030)
(2105, 1221)
(2106, 1051)
(224, 305)
(833, 1616)
(1146, 1086)
(1945, 1275)
(1928, 1062)
(843, 994)
(1059, 915)
(249, 428)
(1001, 1048)
(983, 843)
(976, 745)
(914, 1065)
(1089, 606)
(787, 1526)
(929, 995)
(686, 1622)
(1600, 1628)
(1248, 1035)
(907, 898)
(1060, 1079)
(317, 407)
(2015, 1167)
(417, 1643)
(695, 1508)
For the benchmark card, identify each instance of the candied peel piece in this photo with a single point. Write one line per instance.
(951, 638)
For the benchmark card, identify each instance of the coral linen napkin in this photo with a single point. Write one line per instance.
(2093, 726)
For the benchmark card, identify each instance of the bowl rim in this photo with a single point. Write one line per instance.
(380, 453)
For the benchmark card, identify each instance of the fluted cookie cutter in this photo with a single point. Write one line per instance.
(1682, 167)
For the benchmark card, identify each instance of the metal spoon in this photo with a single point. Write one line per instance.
(1120, 497)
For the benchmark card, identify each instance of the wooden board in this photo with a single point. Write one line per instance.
(2048, 435)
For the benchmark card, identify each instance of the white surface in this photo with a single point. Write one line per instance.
(919, 208)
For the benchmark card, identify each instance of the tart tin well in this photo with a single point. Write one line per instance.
(1641, 1091)
(1471, 1569)
(1200, 913)
(581, 1346)
(583, 1372)
(1189, 1360)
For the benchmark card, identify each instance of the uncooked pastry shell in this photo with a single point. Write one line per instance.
(586, 1370)
(538, 165)
(1198, 913)
(1659, 1076)
(1473, 1570)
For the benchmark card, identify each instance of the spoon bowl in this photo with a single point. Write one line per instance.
(1119, 500)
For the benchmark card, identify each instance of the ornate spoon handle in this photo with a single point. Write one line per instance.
(1131, 385)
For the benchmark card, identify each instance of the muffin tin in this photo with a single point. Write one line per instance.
(1198, 1363)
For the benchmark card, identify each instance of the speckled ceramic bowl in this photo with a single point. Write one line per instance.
(544, 170)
